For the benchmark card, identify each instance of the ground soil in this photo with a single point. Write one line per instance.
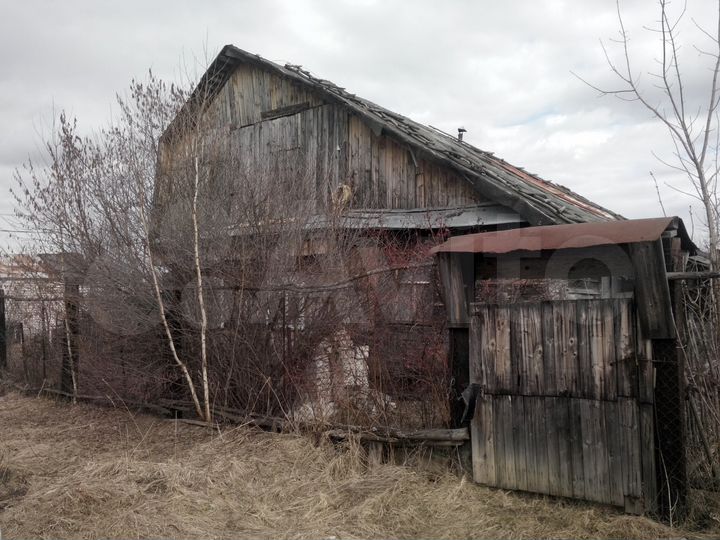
(80, 471)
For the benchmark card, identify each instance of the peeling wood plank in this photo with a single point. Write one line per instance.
(651, 290)
(483, 445)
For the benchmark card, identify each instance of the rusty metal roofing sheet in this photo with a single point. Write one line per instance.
(576, 235)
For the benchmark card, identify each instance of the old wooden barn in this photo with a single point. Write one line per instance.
(559, 316)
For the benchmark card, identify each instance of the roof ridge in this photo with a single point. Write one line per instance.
(540, 201)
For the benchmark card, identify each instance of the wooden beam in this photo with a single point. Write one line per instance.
(692, 275)
(431, 437)
(652, 290)
(460, 217)
(370, 436)
(106, 401)
(452, 437)
(455, 289)
(284, 111)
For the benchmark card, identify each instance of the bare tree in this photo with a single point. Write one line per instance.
(94, 199)
(263, 290)
(691, 124)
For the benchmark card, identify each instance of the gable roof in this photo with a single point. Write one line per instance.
(539, 201)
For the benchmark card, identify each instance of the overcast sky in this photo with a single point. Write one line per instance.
(500, 69)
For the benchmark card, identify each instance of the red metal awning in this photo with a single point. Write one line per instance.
(576, 235)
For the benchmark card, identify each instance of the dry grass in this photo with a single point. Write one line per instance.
(76, 471)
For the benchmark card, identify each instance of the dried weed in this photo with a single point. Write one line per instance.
(88, 472)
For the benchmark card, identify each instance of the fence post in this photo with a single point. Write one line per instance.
(3, 331)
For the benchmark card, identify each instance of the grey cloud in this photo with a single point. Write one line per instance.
(500, 69)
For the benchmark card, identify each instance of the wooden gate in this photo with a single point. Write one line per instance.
(566, 406)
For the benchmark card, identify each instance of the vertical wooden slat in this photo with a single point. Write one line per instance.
(625, 358)
(479, 426)
(566, 355)
(420, 186)
(374, 171)
(520, 437)
(602, 462)
(542, 456)
(652, 290)
(451, 275)
(596, 343)
(403, 192)
(324, 156)
(576, 448)
(550, 351)
(382, 177)
(499, 445)
(646, 370)
(554, 434)
(482, 437)
(344, 144)
(531, 443)
(614, 438)
(487, 354)
(518, 358)
(589, 432)
(647, 456)
(631, 461)
(526, 349)
(477, 443)
(503, 367)
(585, 369)
(534, 350)
(489, 439)
(354, 161)
(505, 431)
(609, 377)
(396, 176)
(476, 345)
(429, 182)
(410, 179)
(563, 422)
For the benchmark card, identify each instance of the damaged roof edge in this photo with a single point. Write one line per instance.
(541, 202)
(576, 235)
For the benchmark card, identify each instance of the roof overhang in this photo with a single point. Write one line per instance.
(576, 235)
(452, 218)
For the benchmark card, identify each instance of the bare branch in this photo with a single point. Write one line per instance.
(657, 190)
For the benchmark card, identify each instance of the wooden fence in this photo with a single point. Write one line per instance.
(567, 401)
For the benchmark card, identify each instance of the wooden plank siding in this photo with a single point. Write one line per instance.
(458, 288)
(272, 120)
(653, 292)
(568, 421)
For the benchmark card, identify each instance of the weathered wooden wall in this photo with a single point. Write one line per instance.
(268, 119)
(567, 406)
